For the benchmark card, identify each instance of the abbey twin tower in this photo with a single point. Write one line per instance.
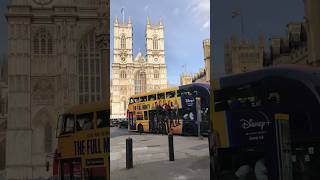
(142, 73)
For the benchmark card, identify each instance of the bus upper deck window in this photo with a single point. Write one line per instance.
(152, 97)
(84, 121)
(69, 124)
(161, 96)
(178, 93)
(131, 100)
(102, 120)
(170, 94)
(182, 92)
(143, 98)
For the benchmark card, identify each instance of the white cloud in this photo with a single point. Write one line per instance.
(206, 25)
(200, 10)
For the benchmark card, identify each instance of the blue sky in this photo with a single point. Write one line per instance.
(186, 24)
(267, 16)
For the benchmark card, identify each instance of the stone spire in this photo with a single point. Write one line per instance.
(148, 20)
(129, 20)
(116, 22)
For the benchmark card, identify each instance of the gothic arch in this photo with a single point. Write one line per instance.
(155, 42)
(82, 36)
(156, 74)
(89, 68)
(46, 114)
(140, 81)
(42, 131)
(42, 42)
(123, 74)
(123, 41)
(124, 101)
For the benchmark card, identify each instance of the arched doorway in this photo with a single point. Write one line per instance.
(43, 140)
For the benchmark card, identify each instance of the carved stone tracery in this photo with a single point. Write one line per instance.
(43, 91)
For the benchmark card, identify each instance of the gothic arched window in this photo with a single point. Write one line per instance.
(124, 104)
(123, 42)
(155, 42)
(156, 74)
(42, 42)
(48, 138)
(89, 69)
(140, 82)
(123, 75)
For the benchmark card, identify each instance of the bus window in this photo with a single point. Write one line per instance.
(161, 96)
(237, 98)
(181, 92)
(145, 115)
(136, 99)
(102, 120)
(143, 98)
(195, 92)
(170, 94)
(84, 121)
(152, 97)
(69, 124)
(178, 93)
(131, 100)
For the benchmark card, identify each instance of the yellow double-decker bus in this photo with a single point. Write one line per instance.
(178, 110)
(83, 143)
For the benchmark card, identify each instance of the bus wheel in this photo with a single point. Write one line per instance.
(140, 128)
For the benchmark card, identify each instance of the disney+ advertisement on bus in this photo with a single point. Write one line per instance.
(189, 116)
(253, 128)
(256, 130)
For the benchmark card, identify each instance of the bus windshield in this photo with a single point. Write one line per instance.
(66, 124)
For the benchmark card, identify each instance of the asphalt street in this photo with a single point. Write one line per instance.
(115, 132)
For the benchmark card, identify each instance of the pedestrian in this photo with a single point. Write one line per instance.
(176, 113)
(172, 115)
(167, 116)
(260, 169)
(245, 171)
(158, 117)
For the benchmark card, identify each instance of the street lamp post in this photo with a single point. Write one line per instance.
(199, 119)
